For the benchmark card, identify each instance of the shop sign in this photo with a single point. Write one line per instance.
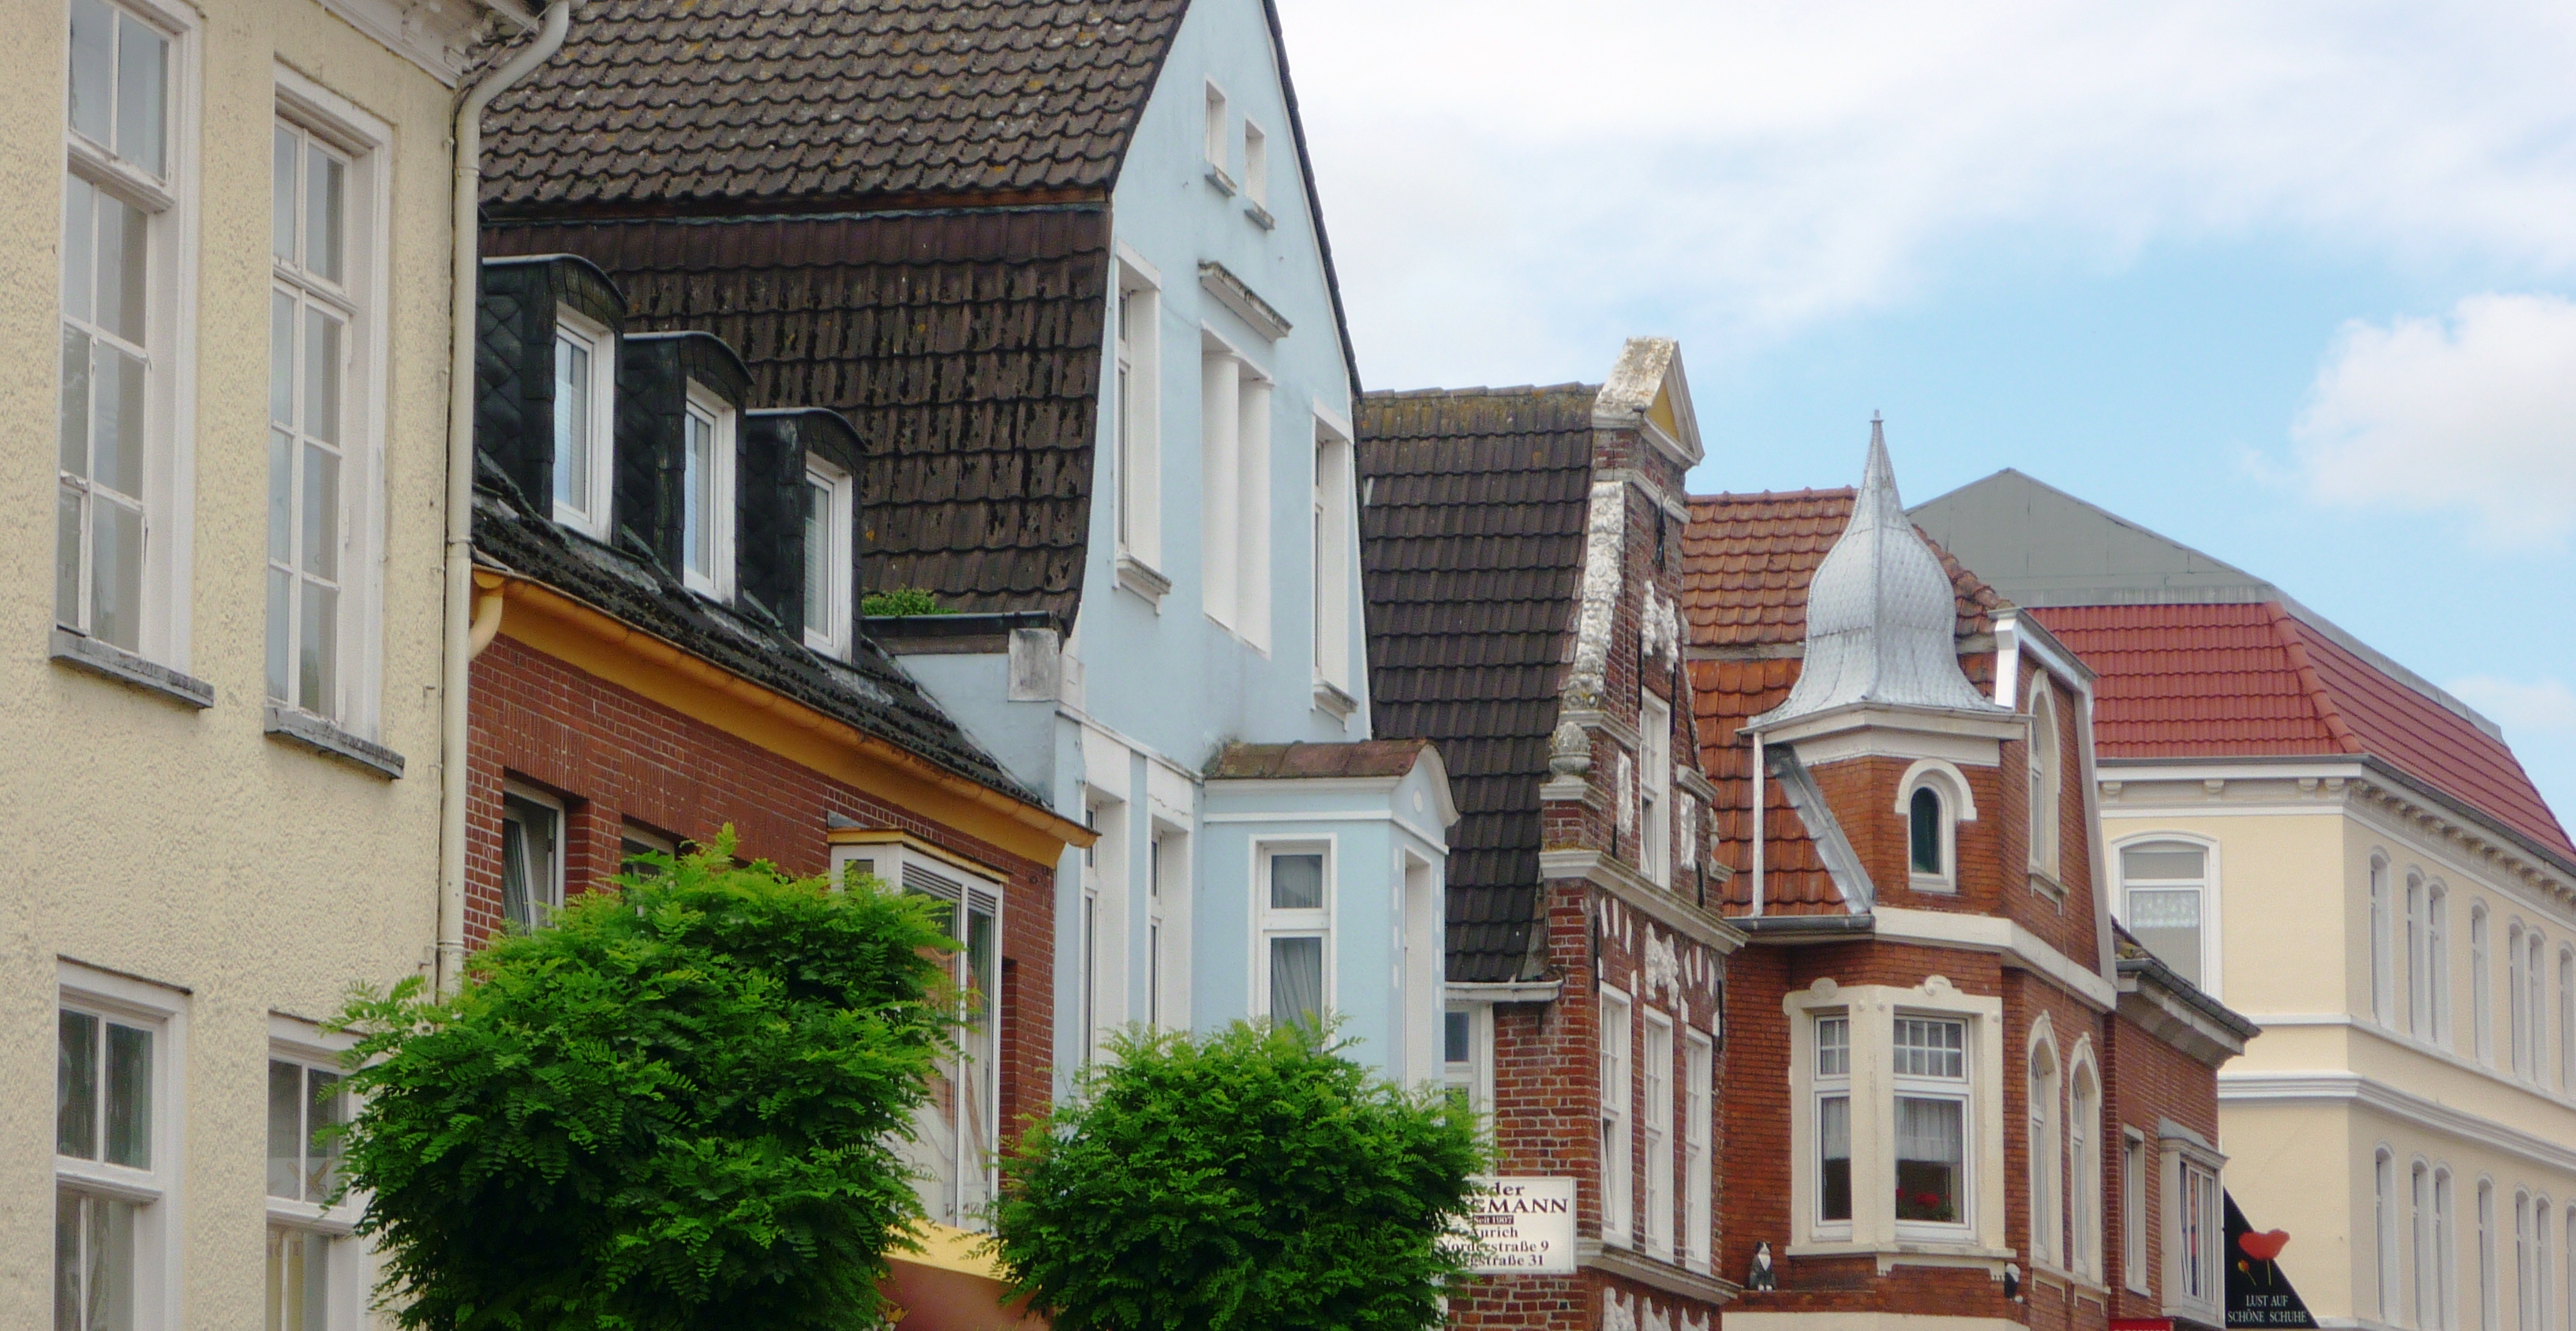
(1522, 1226)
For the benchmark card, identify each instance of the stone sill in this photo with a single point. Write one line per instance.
(1141, 578)
(1330, 698)
(297, 726)
(108, 661)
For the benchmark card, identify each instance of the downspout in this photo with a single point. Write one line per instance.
(465, 286)
(1757, 822)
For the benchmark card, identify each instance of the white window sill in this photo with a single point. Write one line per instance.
(1939, 887)
(1329, 697)
(1260, 216)
(1140, 577)
(1216, 176)
(84, 652)
(318, 734)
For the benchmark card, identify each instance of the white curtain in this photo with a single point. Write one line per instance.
(1296, 979)
(1929, 1131)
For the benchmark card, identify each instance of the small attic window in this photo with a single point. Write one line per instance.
(585, 387)
(1933, 800)
(1216, 126)
(1256, 163)
(707, 495)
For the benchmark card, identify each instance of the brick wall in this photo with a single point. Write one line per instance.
(613, 757)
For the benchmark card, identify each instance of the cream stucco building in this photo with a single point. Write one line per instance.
(224, 257)
(2356, 861)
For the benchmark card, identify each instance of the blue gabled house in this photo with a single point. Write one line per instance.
(1063, 267)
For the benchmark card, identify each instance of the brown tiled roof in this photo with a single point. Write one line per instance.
(1746, 562)
(1471, 539)
(682, 104)
(965, 348)
(2252, 679)
(1275, 762)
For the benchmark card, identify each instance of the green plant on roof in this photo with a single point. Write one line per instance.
(900, 601)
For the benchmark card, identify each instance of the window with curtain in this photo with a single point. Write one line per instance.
(1295, 929)
(1618, 1164)
(1931, 1067)
(2044, 779)
(2163, 889)
(107, 1170)
(1833, 1120)
(2198, 1233)
(2041, 1098)
(958, 1127)
(304, 1235)
(532, 859)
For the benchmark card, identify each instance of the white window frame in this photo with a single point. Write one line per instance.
(1875, 1120)
(2490, 1293)
(2046, 779)
(719, 416)
(840, 520)
(2446, 1252)
(345, 1275)
(2567, 1035)
(2042, 1083)
(1699, 1092)
(1168, 896)
(2084, 1162)
(1276, 923)
(1215, 138)
(1234, 478)
(2419, 965)
(1471, 1078)
(1256, 163)
(2482, 982)
(904, 863)
(2522, 1281)
(2381, 939)
(2437, 952)
(1331, 570)
(1655, 790)
(539, 912)
(1950, 787)
(1102, 940)
(2192, 1207)
(590, 516)
(2421, 1309)
(2516, 1001)
(2211, 980)
(1137, 415)
(2535, 1000)
(1618, 1129)
(154, 1191)
(2386, 1253)
(318, 116)
(169, 203)
(1655, 1077)
(1962, 1089)
(1830, 1084)
(2133, 1210)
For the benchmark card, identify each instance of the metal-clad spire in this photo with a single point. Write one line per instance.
(1882, 616)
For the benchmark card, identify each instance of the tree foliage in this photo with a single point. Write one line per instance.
(673, 1107)
(1255, 1180)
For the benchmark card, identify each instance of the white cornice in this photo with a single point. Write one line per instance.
(2265, 1088)
(1994, 933)
(433, 34)
(1636, 893)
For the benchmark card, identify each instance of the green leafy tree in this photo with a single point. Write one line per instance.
(673, 1107)
(1255, 1180)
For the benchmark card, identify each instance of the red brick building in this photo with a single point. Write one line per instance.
(1521, 550)
(1953, 1091)
(667, 646)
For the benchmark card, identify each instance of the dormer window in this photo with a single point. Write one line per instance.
(1933, 800)
(707, 495)
(585, 417)
(1256, 164)
(829, 499)
(2044, 779)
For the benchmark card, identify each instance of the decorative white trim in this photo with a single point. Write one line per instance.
(1993, 933)
(436, 35)
(2264, 1088)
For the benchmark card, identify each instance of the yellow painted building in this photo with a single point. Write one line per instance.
(225, 259)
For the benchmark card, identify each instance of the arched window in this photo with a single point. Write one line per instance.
(2419, 966)
(2437, 951)
(2419, 1241)
(2481, 985)
(2517, 1004)
(1926, 823)
(2084, 1170)
(2540, 1216)
(2164, 890)
(2567, 1033)
(2383, 1214)
(2490, 1315)
(2535, 1000)
(2044, 1148)
(2524, 1316)
(2446, 1257)
(2044, 778)
(2383, 994)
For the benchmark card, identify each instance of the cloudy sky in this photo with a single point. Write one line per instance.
(2289, 282)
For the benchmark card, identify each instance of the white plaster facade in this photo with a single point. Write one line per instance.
(184, 864)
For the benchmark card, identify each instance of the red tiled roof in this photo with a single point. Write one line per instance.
(2252, 679)
(1746, 563)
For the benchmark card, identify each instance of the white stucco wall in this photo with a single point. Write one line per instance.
(238, 874)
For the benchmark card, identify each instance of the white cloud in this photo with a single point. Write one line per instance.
(2476, 413)
(1514, 183)
(2542, 707)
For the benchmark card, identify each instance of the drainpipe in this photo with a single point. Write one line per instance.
(1757, 822)
(465, 282)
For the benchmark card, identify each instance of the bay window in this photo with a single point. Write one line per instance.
(1899, 1121)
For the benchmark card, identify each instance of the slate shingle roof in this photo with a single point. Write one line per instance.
(869, 692)
(2253, 679)
(965, 348)
(1471, 538)
(1746, 563)
(694, 103)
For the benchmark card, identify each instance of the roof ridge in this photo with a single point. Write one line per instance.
(1512, 390)
(1746, 496)
(2319, 696)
